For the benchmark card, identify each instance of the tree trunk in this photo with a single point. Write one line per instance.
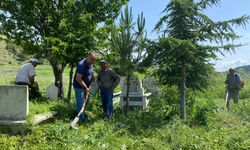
(58, 73)
(182, 90)
(70, 83)
(127, 94)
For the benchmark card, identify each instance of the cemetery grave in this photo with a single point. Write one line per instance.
(137, 97)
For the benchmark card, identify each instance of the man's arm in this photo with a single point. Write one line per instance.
(98, 80)
(239, 77)
(32, 79)
(226, 81)
(81, 82)
(116, 78)
(31, 74)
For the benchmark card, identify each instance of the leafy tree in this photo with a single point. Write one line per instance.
(129, 44)
(184, 51)
(60, 30)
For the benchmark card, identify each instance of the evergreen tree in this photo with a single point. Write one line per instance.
(184, 51)
(129, 44)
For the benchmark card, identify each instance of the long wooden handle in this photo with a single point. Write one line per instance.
(84, 103)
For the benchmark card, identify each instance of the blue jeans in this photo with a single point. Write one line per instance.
(107, 102)
(80, 98)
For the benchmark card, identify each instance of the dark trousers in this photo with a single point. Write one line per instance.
(33, 89)
(107, 102)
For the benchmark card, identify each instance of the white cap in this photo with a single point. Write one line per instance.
(34, 60)
(102, 61)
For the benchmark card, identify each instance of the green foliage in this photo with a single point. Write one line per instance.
(184, 26)
(243, 110)
(170, 96)
(151, 129)
(201, 110)
(182, 56)
(209, 125)
(61, 31)
(127, 42)
(175, 51)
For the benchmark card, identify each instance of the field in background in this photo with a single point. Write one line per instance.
(9, 67)
(44, 77)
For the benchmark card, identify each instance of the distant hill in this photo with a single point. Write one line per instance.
(10, 53)
(245, 68)
(5, 57)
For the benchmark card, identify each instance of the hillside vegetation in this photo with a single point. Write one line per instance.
(10, 53)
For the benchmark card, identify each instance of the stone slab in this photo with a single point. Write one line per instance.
(14, 103)
(44, 118)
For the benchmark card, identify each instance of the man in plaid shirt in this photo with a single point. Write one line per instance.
(107, 80)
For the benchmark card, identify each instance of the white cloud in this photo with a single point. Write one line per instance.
(222, 65)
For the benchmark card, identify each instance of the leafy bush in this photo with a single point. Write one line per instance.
(199, 111)
(242, 109)
(169, 98)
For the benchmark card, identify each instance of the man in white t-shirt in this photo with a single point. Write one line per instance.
(26, 75)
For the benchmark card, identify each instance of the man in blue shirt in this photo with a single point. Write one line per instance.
(83, 78)
(233, 83)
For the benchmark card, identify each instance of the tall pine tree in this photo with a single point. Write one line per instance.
(184, 51)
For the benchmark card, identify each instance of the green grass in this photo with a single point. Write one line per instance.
(156, 128)
(224, 131)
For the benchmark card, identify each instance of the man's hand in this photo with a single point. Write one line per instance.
(226, 82)
(32, 79)
(87, 90)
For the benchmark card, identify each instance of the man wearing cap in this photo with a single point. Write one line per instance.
(233, 83)
(107, 80)
(26, 76)
(83, 78)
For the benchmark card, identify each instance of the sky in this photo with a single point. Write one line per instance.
(228, 9)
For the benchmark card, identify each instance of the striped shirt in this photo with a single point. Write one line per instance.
(108, 79)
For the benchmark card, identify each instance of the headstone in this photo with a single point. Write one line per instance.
(136, 93)
(14, 104)
(150, 85)
(135, 86)
(52, 92)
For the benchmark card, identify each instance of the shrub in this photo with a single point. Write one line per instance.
(199, 111)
